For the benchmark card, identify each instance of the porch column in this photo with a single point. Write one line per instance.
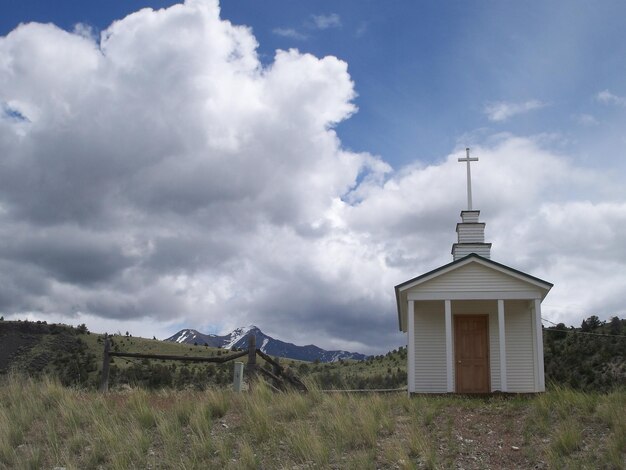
(411, 347)
(541, 379)
(449, 358)
(502, 342)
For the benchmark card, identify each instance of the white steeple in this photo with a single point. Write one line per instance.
(470, 232)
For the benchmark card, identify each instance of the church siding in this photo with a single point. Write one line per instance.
(466, 249)
(519, 348)
(430, 348)
(471, 233)
(473, 278)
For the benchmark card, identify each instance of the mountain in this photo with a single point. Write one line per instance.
(238, 339)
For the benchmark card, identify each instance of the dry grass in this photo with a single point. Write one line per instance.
(43, 425)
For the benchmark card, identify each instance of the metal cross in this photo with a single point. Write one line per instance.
(469, 177)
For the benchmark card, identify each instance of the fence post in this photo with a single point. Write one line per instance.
(251, 368)
(104, 380)
(238, 378)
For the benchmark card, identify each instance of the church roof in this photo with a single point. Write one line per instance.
(540, 284)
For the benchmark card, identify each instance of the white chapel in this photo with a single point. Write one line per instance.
(473, 325)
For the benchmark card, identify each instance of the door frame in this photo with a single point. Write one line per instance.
(456, 335)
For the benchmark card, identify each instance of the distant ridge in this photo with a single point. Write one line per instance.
(238, 338)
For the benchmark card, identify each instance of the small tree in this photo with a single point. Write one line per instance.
(615, 326)
(594, 322)
(585, 326)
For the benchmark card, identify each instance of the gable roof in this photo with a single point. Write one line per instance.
(535, 282)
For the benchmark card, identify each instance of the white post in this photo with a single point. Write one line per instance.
(449, 358)
(502, 342)
(411, 347)
(541, 382)
(238, 377)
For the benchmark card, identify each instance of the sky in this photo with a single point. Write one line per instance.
(201, 165)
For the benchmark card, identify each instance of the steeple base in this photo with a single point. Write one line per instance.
(471, 237)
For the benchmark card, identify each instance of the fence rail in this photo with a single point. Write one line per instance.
(279, 375)
(219, 359)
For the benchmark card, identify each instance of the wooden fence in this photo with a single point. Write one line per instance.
(281, 378)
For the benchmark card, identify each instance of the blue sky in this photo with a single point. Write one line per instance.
(195, 170)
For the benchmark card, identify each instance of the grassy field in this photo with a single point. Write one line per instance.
(45, 425)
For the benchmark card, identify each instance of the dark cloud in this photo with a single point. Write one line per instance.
(67, 254)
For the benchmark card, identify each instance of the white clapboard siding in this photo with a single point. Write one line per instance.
(519, 350)
(462, 250)
(473, 277)
(470, 216)
(471, 233)
(430, 352)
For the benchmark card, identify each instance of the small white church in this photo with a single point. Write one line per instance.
(473, 325)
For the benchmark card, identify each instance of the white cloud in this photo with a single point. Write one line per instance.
(326, 21)
(607, 97)
(171, 179)
(290, 33)
(157, 166)
(527, 196)
(501, 110)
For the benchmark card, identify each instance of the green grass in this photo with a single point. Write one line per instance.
(45, 425)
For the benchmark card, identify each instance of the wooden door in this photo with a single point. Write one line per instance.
(471, 351)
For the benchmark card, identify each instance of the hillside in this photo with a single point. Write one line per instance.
(74, 356)
(592, 357)
(39, 349)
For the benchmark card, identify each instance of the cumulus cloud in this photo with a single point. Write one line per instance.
(162, 177)
(159, 163)
(607, 97)
(526, 194)
(499, 111)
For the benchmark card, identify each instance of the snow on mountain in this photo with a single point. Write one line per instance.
(187, 335)
(238, 339)
(237, 334)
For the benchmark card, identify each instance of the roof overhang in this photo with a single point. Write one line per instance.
(537, 287)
